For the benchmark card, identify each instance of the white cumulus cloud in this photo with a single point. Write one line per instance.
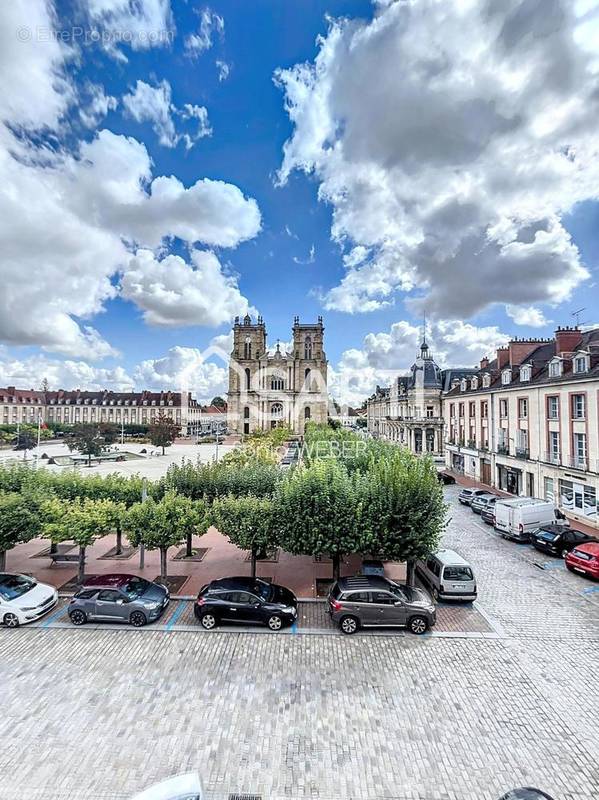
(527, 315)
(449, 139)
(202, 39)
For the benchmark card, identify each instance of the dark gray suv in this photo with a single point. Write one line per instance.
(118, 598)
(368, 601)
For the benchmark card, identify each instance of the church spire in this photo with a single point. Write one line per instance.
(424, 351)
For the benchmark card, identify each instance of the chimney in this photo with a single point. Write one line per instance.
(484, 363)
(11, 389)
(503, 357)
(521, 348)
(567, 340)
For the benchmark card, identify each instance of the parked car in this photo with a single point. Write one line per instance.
(584, 558)
(445, 478)
(367, 601)
(519, 517)
(118, 598)
(466, 496)
(488, 514)
(448, 576)
(557, 540)
(244, 600)
(23, 599)
(483, 501)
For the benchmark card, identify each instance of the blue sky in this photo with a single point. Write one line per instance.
(400, 190)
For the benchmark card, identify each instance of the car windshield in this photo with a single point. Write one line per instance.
(13, 586)
(404, 593)
(135, 587)
(262, 589)
(582, 555)
(547, 536)
(458, 574)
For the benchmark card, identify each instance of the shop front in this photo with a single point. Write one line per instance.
(509, 479)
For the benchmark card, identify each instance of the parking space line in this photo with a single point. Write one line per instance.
(53, 617)
(176, 614)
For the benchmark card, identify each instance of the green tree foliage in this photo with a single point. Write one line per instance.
(218, 402)
(26, 438)
(403, 509)
(208, 481)
(164, 523)
(90, 439)
(163, 431)
(81, 520)
(248, 522)
(318, 512)
(19, 522)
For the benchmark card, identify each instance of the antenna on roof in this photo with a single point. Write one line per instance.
(576, 315)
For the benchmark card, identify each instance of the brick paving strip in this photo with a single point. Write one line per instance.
(453, 621)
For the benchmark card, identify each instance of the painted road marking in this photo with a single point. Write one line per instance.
(176, 614)
(54, 617)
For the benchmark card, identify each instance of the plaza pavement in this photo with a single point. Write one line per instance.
(97, 714)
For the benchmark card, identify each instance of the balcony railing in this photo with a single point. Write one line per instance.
(553, 458)
(471, 443)
(503, 449)
(579, 462)
(522, 452)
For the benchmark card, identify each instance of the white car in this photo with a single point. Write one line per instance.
(23, 599)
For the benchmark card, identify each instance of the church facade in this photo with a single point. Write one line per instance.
(269, 388)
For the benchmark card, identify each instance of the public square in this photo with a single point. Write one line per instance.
(98, 714)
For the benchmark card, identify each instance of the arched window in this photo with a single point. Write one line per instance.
(307, 379)
(247, 348)
(246, 412)
(276, 411)
(277, 384)
(308, 347)
(307, 413)
(248, 379)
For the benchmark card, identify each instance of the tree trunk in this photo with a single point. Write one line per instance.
(163, 566)
(336, 566)
(2, 560)
(189, 550)
(162, 449)
(119, 540)
(254, 551)
(81, 573)
(410, 571)
(89, 460)
(54, 547)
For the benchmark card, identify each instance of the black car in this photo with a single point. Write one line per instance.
(245, 601)
(445, 478)
(558, 540)
(488, 514)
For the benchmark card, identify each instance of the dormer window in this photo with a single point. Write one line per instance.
(555, 368)
(525, 373)
(474, 383)
(463, 385)
(581, 364)
(506, 376)
(486, 380)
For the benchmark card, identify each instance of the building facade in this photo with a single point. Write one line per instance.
(271, 388)
(527, 421)
(21, 406)
(409, 412)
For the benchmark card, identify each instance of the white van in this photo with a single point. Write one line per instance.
(448, 575)
(518, 518)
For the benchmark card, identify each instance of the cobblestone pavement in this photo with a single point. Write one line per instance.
(96, 714)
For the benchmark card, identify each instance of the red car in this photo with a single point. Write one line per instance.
(584, 558)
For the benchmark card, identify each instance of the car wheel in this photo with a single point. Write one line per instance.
(418, 625)
(138, 619)
(11, 620)
(77, 617)
(349, 625)
(275, 623)
(208, 621)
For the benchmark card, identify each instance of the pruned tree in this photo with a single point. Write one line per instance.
(165, 523)
(248, 522)
(90, 439)
(163, 431)
(19, 522)
(318, 512)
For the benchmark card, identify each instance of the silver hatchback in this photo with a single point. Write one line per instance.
(118, 598)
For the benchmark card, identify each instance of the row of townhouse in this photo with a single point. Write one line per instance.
(527, 422)
(22, 406)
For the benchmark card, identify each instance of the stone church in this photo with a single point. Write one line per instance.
(268, 388)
